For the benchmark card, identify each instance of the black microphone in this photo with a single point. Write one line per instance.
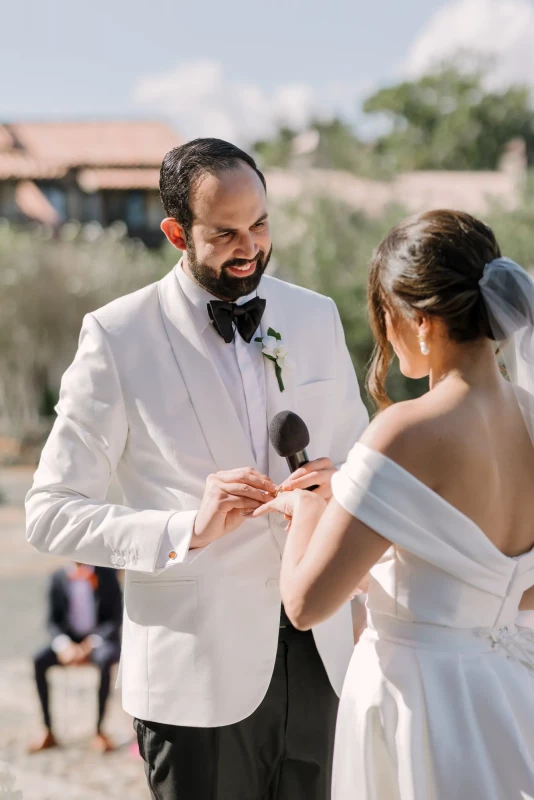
(290, 437)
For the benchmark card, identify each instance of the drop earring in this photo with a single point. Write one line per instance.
(425, 349)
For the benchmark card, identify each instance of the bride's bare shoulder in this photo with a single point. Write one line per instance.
(408, 433)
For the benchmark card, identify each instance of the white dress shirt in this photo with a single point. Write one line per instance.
(241, 368)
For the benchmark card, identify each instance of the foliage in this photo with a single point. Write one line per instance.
(336, 147)
(326, 246)
(276, 152)
(515, 229)
(47, 285)
(449, 120)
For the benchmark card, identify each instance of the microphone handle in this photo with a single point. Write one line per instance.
(298, 460)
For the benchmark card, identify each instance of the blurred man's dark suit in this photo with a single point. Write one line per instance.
(100, 605)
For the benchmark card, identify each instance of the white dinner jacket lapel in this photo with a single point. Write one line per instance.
(215, 411)
(276, 400)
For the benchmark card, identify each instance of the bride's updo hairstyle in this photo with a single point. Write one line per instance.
(428, 265)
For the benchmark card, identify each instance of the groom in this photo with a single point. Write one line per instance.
(170, 391)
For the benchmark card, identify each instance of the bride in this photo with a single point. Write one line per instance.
(436, 500)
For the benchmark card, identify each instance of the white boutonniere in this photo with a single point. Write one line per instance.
(274, 349)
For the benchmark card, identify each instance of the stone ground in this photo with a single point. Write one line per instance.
(72, 772)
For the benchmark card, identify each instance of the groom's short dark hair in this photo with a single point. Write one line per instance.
(182, 166)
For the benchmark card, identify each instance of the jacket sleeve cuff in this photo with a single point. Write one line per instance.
(176, 541)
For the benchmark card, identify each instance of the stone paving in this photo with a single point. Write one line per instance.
(73, 771)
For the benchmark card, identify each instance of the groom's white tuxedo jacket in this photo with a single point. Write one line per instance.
(143, 400)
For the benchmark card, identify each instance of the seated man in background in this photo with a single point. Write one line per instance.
(84, 620)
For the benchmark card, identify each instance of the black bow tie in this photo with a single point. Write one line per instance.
(245, 318)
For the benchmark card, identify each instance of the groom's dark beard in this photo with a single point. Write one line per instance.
(226, 286)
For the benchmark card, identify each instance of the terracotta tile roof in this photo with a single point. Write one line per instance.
(18, 165)
(51, 148)
(90, 180)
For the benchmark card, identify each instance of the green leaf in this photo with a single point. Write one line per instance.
(271, 358)
(272, 332)
(258, 339)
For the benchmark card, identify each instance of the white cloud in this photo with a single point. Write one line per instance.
(502, 29)
(203, 102)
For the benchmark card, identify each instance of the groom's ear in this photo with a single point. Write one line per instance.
(174, 233)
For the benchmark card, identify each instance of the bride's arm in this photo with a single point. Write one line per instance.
(326, 556)
(527, 601)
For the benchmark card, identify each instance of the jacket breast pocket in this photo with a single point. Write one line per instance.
(315, 389)
(315, 404)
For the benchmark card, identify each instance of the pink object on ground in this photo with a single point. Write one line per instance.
(134, 751)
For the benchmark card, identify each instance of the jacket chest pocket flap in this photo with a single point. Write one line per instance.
(307, 391)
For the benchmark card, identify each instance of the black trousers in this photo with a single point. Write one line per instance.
(283, 751)
(103, 657)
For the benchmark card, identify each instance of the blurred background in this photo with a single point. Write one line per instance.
(359, 114)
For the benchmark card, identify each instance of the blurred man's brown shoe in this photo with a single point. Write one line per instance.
(102, 744)
(44, 742)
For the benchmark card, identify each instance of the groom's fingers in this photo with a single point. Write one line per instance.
(245, 490)
(249, 476)
(316, 465)
(315, 473)
(319, 482)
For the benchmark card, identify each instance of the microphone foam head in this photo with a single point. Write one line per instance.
(288, 434)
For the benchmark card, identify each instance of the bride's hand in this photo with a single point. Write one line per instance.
(284, 503)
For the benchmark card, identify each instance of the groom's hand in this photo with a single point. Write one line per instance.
(229, 497)
(315, 473)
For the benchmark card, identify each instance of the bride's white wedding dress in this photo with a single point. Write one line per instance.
(438, 703)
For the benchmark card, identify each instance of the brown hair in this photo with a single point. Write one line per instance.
(431, 263)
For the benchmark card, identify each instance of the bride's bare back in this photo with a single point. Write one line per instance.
(471, 446)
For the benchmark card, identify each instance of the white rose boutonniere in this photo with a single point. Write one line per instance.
(274, 349)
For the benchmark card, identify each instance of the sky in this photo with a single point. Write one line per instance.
(238, 69)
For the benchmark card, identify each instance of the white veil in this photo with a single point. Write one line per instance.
(508, 293)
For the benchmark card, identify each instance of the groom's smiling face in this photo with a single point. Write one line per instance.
(229, 244)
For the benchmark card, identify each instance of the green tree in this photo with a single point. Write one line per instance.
(46, 286)
(276, 152)
(448, 120)
(325, 245)
(337, 147)
(515, 229)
